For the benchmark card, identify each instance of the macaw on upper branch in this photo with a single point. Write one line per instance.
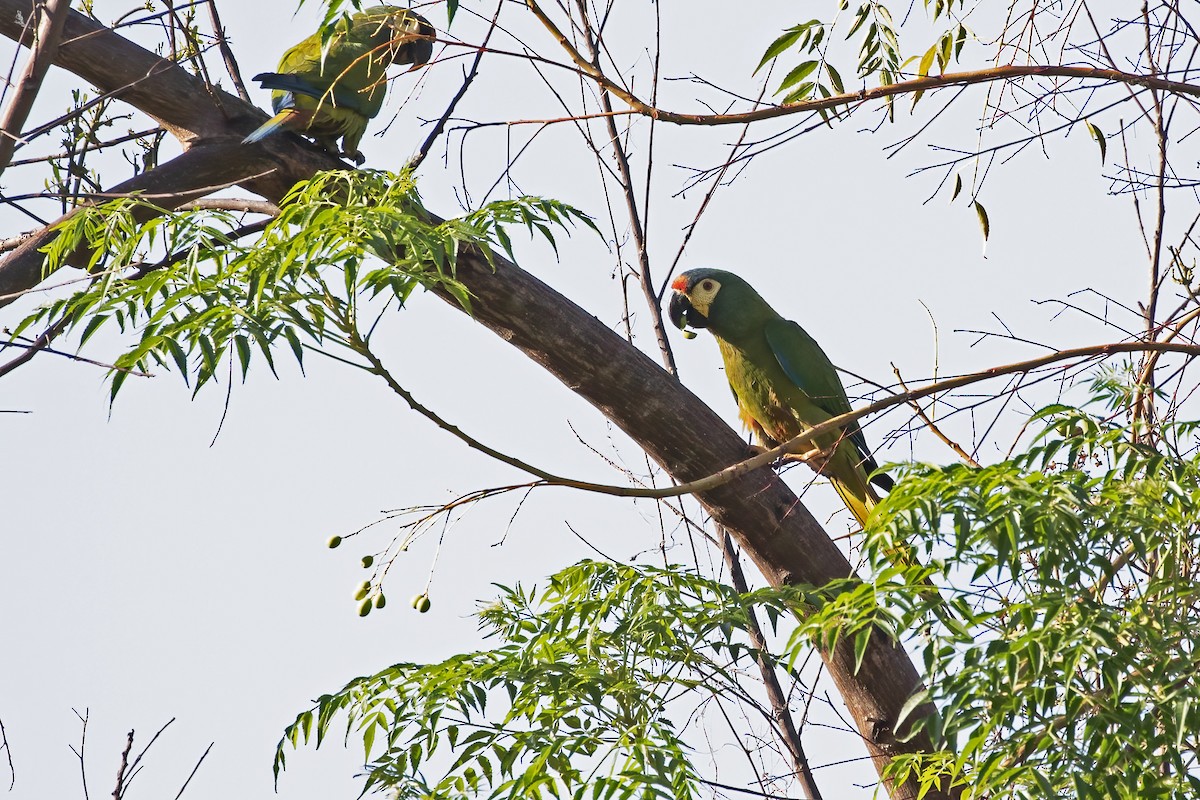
(782, 380)
(331, 92)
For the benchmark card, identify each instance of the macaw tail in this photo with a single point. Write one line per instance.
(288, 119)
(858, 496)
(849, 477)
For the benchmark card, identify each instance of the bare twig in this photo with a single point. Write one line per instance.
(900, 88)
(933, 428)
(231, 65)
(195, 769)
(799, 444)
(49, 32)
(82, 748)
(119, 790)
(468, 79)
(779, 707)
(7, 748)
(636, 221)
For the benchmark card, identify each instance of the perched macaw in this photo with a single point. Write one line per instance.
(333, 93)
(782, 380)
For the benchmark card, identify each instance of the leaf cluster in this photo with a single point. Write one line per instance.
(572, 702)
(879, 56)
(1068, 669)
(344, 245)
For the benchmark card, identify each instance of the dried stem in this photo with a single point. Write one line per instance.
(49, 31)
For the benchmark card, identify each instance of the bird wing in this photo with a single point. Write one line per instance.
(807, 366)
(347, 71)
(337, 95)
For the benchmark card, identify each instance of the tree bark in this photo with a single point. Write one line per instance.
(779, 534)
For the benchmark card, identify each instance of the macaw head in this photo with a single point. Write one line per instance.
(410, 36)
(711, 298)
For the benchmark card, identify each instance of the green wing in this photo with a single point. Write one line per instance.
(807, 366)
(350, 76)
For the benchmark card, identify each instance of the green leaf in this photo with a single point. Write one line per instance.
(835, 79)
(780, 45)
(797, 74)
(927, 62)
(1098, 135)
(800, 93)
(982, 214)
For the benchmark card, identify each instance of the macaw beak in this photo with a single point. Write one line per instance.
(683, 315)
(417, 53)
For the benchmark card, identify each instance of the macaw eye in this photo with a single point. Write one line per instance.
(706, 285)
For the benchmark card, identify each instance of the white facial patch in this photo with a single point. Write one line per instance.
(703, 294)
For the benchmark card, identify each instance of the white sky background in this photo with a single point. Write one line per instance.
(146, 575)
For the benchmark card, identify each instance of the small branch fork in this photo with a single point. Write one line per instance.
(7, 748)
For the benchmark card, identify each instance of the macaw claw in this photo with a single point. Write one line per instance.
(817, 459)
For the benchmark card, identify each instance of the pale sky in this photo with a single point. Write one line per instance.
(146, 575)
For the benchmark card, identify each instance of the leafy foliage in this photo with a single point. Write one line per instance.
(879, 52)
(1075, 660)
(1069, 653)
(340, 241)
(573, 702)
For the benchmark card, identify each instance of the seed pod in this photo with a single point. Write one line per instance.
(421, 602)
(334, 541)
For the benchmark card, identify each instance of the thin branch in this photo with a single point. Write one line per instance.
(119, 790)
(231, 65)
(922, 84)
(49, 33)
(82, 748)
(636, 223)
(933, 428)
(440, 126)
(4, 745)
(779, 707)
(195, 769)
(798, 444)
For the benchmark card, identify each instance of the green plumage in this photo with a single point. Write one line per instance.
(783, 381)
(330, 89)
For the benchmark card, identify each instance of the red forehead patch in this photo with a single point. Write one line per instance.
(680, 284)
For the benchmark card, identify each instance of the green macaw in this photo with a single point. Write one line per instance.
(332, 93)
(781, 378)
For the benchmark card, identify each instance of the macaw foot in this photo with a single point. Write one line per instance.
(817, 459)
(355, 156)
